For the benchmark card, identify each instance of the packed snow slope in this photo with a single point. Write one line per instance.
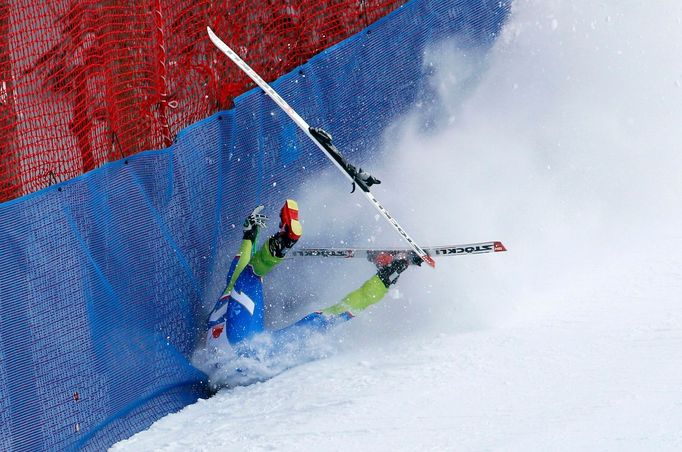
(566, 148)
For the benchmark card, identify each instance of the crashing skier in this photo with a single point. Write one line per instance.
(236, 322)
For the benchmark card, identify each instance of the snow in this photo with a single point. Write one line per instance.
(590, 376)
(566, 150)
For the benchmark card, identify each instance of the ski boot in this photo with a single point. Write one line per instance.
(391, 264)
(290, 230)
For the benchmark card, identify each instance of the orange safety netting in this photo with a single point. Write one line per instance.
(84, 82)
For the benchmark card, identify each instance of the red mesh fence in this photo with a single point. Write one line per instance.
(84, 82)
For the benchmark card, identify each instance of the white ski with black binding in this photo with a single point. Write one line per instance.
(324, 141)
(371, 253)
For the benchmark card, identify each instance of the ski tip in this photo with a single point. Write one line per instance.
(499, 247)
(429, 260)
(212, 36)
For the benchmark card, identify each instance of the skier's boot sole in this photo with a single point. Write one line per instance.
(289, 220)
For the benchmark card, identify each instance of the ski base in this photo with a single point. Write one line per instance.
(371, 253)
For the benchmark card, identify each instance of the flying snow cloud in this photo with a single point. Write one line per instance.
(566, 151)
(562, 142)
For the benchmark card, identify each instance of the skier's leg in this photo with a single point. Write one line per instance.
(245, 311)
(265, 259)
(371, 292)
(246, 308)
(239, 313)
(219, 322)
(273, 250)
(219, 319)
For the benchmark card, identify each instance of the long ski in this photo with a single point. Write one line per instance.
(371, 253)
(324, 141)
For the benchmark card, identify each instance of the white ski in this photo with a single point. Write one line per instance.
(370, 253)
(323, 140)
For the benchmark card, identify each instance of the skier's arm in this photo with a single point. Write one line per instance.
(244, 255)
(252, 225)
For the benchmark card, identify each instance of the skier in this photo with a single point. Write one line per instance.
(239, 313)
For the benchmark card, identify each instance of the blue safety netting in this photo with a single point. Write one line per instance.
(104, 278)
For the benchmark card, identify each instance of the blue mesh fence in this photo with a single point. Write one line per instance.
(104, 278)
